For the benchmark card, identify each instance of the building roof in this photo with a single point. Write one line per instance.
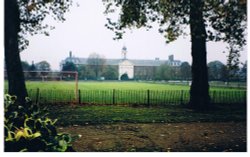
(136, 62)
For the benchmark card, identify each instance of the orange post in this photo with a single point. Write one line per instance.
(76, 79)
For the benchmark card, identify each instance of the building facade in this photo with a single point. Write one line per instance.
(134, 68)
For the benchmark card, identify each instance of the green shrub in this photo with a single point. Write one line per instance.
(27, 128)
(124, 77)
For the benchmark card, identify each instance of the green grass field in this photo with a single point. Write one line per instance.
(84, 115)
(93, 92)
(94, 85)
(103, 86)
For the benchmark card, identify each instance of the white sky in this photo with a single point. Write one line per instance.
(84, 32)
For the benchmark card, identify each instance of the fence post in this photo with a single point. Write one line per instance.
(181, 97)
(37, 95)
(213, 98)
(79, 96)
(148, 96)
(245, 97)
(113, 96)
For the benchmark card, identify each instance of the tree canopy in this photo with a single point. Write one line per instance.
(23, 18)
(208, 20)
(185, 71)
(224, 20)
(217, 70)
(25, 65)
(96, 62)
(33, 13)
(43, 66)
(69, 66)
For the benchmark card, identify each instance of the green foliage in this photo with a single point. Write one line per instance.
(82, 72)
(27, 129)
(32, 14)
(25, 65)
(110, 73)
(233, 63)
(96, 63)
(43, 66)
(243, 72)
(165, 72)
(224, 20)
(217, 71)
(124, 77)
(32, 70)
(94, 114)
(185, 71)
(69, 66)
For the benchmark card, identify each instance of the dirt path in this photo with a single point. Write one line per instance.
(177, 137)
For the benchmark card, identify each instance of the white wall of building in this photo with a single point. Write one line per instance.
(126, 67)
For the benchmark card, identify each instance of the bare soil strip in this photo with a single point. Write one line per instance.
(166, 137)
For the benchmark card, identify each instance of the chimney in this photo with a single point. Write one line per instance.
(171, 58)
(70, 54)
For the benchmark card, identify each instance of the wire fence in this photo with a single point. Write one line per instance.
(145, 97)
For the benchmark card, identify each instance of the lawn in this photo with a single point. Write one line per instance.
(103, 86)
(107, 85)
(85, 115)
(106, 92)
(169, 128)
(139, 126)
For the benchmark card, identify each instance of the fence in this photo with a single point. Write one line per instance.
(147, 97)
(220, 84)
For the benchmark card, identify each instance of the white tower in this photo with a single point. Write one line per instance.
(124, 53)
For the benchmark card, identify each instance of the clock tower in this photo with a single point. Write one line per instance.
(124, 53)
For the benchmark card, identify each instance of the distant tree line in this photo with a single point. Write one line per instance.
(217, 71)
(167, 72)
(43, 67)
(97, 69)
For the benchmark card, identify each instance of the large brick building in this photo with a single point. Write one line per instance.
(135, 68)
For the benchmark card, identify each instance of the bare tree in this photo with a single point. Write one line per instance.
(96, 62)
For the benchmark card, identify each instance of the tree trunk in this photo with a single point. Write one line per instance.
(16, 83)
(199, 92)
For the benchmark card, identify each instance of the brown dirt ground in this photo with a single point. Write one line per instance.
(167, 137)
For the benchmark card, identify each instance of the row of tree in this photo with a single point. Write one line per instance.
(94, 69)
(92, 72)
(40, 66)
(97, 68)
(217, 71)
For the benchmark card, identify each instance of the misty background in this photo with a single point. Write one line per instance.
(84, 32)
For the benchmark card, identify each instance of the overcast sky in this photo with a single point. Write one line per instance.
(84, 32)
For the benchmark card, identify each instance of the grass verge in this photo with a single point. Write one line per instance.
(85, 115)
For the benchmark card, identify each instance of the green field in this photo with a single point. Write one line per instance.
(93, 85)
(93, 92)
(103, 86)
(82, 115)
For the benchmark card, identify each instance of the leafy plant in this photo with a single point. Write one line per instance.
(28, 129)
(124, 77)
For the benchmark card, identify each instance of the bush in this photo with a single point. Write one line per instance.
(27, 129)
(124, 77)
